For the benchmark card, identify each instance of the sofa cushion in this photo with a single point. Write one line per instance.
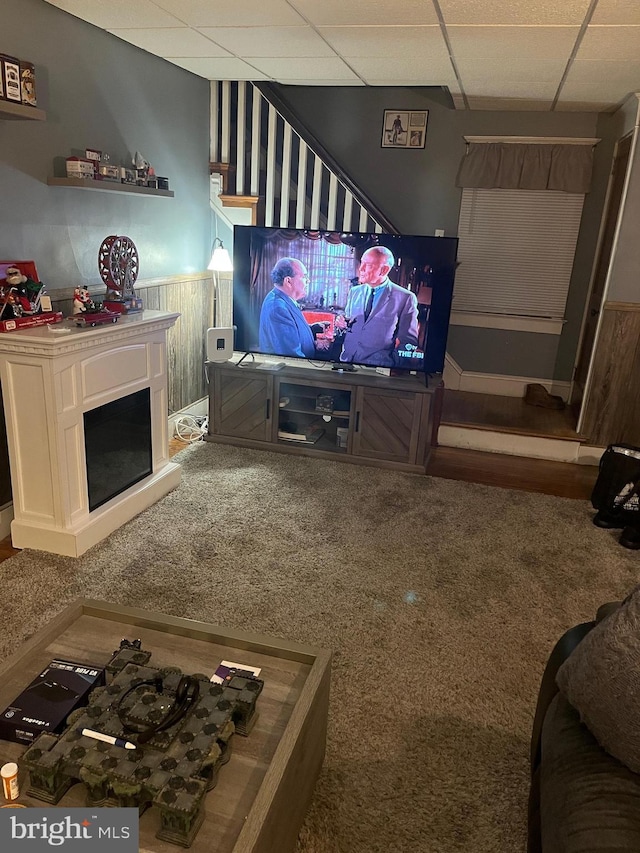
(588, 800)
(601, 679)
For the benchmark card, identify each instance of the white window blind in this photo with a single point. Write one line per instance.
(516, 251)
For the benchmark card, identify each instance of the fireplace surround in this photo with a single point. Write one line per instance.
(53, 378)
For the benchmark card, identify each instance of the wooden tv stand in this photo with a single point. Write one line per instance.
(369, 419)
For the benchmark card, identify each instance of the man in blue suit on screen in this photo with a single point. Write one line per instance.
(283, 328)
(381, 318)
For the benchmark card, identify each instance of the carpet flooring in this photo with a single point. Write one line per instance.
(440, 600)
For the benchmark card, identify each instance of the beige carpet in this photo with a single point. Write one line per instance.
(439, 599)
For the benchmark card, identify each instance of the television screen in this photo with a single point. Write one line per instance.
(381, 300)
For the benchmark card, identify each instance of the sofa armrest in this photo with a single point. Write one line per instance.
(548, 687)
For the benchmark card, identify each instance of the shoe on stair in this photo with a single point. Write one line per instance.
(537, 395)
(630, 538)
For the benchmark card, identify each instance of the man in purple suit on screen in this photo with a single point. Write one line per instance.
(381, 318)
(283, 327)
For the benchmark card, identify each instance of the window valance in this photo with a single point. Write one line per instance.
(526, 166)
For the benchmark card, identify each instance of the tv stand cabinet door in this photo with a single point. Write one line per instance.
(388, 425)
(241, 404)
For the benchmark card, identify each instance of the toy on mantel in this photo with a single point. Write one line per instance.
(82, 302)
(21, 295)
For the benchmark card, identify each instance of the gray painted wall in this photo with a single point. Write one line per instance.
(416, 190)
(100, 92)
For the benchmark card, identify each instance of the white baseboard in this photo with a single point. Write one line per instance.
(503, 385)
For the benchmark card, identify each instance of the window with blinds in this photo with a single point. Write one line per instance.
(516, 251)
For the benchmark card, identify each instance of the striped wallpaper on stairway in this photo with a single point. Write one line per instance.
(272, 161)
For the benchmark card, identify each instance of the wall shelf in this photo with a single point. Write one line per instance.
(106, 186)
(19, 111)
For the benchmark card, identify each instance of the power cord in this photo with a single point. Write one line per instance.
(191, 428)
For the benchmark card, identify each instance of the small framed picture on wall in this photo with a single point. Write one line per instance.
(404, 128)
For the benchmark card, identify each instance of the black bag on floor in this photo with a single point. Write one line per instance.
(615, 494)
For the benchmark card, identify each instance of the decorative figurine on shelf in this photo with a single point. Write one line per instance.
(26, 292)
(82, 302)
(118, 264)
(23, 301)
(87, 313)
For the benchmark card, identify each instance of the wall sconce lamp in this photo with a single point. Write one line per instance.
(220, 258)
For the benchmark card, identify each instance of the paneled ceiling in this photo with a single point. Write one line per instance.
(490, 54)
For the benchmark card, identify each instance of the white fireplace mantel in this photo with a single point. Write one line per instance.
(51, 376)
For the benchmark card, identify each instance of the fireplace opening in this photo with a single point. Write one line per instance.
(117, 442)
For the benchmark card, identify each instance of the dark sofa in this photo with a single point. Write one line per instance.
(582, 800)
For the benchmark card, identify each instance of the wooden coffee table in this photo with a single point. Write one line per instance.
(264, 791)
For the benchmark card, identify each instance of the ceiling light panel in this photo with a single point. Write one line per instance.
(610, 43)
(118, 13)
(617, 12)
(219, 69)
(517, 12)
(169, 41)
(386, 42)
(222, 13)
(325, 13)
(512, 42)
(288, 70)
(270, 41)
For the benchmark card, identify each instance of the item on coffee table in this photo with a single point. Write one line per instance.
(10, 787)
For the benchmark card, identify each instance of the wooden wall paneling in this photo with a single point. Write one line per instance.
(613, 408)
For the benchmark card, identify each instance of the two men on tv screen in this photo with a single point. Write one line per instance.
(380, 320)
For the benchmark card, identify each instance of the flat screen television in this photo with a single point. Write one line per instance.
(380, 300)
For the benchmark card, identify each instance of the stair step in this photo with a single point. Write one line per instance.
(488, 440)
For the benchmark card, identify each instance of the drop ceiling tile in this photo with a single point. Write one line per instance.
(386, 42)
(332, 83)
(409, 71)
(601, 81)
(286, 70)
(219, 69)
(610, 43)
(512, 42)
(514, 12)
(508, 89)
(510, 104)
(227, 13)
(270, 41)
(355, 13)
(584, 106)
(617, 12)
(600, 72)
(541, 71)
(118, 13)
(170, 41)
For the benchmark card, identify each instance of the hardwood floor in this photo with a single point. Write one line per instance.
(506, 414)
(563, 479)
(492, 469)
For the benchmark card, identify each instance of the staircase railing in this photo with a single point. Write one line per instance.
(268, 154)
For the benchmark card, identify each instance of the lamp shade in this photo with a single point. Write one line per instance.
(220, 258)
